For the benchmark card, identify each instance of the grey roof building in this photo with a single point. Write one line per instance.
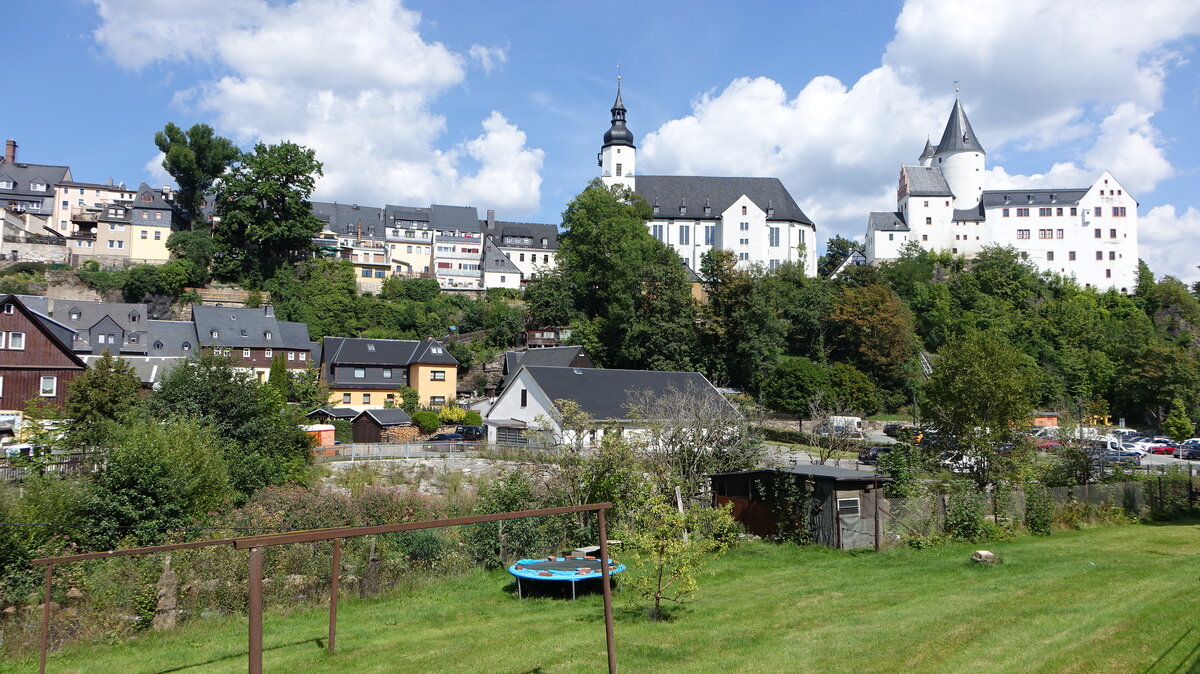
(29, 188)
(707, 197)
(605, 394)
(242, 327)
(552, 356)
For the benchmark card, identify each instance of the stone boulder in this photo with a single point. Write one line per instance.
(985, 557)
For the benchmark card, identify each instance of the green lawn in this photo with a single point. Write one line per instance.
(1119, 599)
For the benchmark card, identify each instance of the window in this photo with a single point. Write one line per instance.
(116, 244)
(145, 215)
(267, 353)
(522, 257)
(928, 220)
(391, 398)
(187, 346)
(437, 401)
(302, 356)
(366, 273)
(1058, 234)
(437, 375)
(1022, 212)
(926, 203)
(524, 398)
(345, 398)
(847, 506)
(1099, 255)
(8, 185)
(1, 387)
(1071, 255)
(891, 236)
(924, 237)
(1112, 233)
(1107, 273)
(1022, 233)
(387, 373)
(9, 309)
(1074, 211)
(656, 231)
(360, 372)
(1058, 211)
(366, 398)
(743, 210)
(291, 355)
(144, 234)
(1112, 254)
(1098, 234)
(1098, 211)
(48, 387)
(773, 237)
(1049, 256)
(685, 235)
(744, 226)
(1043, 212)
(773, 265)
(245, 353)
(157, 235)
(744, 256)
(1118, 211)
(743, 242)
(1004, 212)
(618, 169)
(16, 341)
(38, 187)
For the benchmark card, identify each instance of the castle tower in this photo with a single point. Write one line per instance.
(618, 154)
(961, 159)
(926, 155)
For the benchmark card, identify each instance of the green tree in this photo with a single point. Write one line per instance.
(194, 158)
(981, 390)
(195, 246)
(850, 389)
(837, 249)
(874, 330)
(415, 289)
(794, 385)
(1178, 425)
(159, 476)
(141, 281)
(426, 421)
(550, 301)
(99, 401)
(277, 377)
(265, 213)
(306, 390)
(319, 293)
(410, 400)
(260, 436)
(667, 565)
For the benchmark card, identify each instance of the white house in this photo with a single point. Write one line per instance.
(1087, 233)
(755, 218)
(529, 403)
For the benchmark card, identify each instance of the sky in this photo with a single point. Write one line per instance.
(503, 105)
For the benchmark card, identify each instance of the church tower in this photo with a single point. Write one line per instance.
(618, 154)
(961, 159)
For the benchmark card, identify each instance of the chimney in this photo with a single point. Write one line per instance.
(491, 218)
(10, 151)
(269, 311)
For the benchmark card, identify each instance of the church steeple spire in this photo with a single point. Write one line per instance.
(618, 153)
(618, 133)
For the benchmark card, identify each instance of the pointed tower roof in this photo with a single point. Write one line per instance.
(618, 133)
(959, 136)
(928, 152)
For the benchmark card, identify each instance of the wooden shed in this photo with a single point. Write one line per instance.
(842, 502)
(370, 424)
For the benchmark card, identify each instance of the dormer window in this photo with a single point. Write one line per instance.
(545, 242)
(267, 334)
(158, 344)
(187, 346)
(133, 317)
(370, 347)
(243, 332)
(436, 349)
(37, 186)
(133, 339)
(6, 184)
(147, 197)
(74, 314)
(215, 334)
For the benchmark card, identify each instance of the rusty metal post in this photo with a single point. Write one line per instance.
(333, 591)
(255, 611)
(608, 609)
(46, 619)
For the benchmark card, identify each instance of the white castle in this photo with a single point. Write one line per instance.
(1087, 233)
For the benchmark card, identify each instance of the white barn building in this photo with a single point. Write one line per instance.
(755, 218)
(1086, 233)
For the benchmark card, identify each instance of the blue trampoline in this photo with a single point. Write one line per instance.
(561, 570)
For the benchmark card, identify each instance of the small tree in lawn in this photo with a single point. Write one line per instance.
(667, 566)
(1178, 424)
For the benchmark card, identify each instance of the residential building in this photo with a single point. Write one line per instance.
(1086, 233)
(529, 404)
(364, 373)
(36, 360)
(77, 204)
(253, 338)
(755, 218)
(551, 356)
(29, 188)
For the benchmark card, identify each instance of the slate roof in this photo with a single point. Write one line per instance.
(892, 221)
(155, 204)
(927, 181)
(246, 327)
(172, 335)
(36, 303)
(343, 219)
(463, 218)
(1026, 197)
(604, 394)
(494, 259)
(928, 152)
(92, 313)
(817, 470)
(387, 416)
(65, 334)
(533, 230)
(23, 175)
(334, 412)
(149, 369)
(553, 356)
(969, 214)
(385, 352)
(959, 136)
(669, 193)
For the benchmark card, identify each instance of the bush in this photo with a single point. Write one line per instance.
(451, 415)
(1039, 510)
(473, 418)
(426, 421)
(966, 518)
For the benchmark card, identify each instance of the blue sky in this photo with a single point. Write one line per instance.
(475, 103)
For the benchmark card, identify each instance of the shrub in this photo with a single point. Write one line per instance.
(1039, 510)
(426, 421)
(473, 418)
(966, 518)
(452, 415)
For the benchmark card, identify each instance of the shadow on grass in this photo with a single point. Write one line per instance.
(320, 643)
(1190, 662)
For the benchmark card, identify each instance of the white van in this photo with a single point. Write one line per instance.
(845, 423)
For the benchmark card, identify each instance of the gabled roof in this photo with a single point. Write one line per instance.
(530, 230)
(605, 394)
(886, 222)
(553, 356)
(334, 412)
(494, 259)
(157, 203)
(463, 218)
(926, 181)
(149, 369)
(246, 327)
(168, 338)
(959, 136)
(670, 193)
(52, 329)
(1067, 196)
(344, 219)
(391, 416)
(385, 352)
(23, 174)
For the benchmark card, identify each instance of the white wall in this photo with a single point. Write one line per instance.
(609, 158)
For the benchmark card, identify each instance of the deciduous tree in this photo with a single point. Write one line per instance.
(194, 158)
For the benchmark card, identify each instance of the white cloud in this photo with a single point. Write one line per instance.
(154, 169)
(1083, 77)
(353, 79)
(1170, 242)
(488, 58)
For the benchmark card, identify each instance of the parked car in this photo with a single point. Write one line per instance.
(1189, 452)
(472, 433)
(1163, 448)
(1121, 456)
(870, 455)
(438, 441)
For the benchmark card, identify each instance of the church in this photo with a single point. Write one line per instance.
(1085, 233)
(755, 218)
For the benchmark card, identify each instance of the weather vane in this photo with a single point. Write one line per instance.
(618, 72)
(955, 84)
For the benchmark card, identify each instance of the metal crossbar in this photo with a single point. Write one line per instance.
(255, 545)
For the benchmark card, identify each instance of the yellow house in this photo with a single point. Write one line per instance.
(367, 373)
(148, 242)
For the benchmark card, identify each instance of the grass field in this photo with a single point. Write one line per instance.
(1116, 599)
